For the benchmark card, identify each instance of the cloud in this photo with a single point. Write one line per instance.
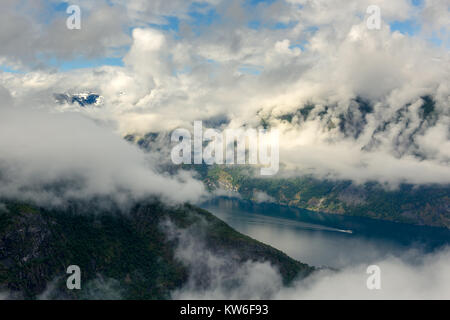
(435, 16)
(425, 278)
(52, 157)
(4, 295)
(99, 288)
(260, 197)
(319, 53)
(34, 35)
(214, 275)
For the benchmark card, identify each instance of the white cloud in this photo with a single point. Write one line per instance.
(32, 34)
(329, 57)
(399, 280)
(260, 197)
(49, 158)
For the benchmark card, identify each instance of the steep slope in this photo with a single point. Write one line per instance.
(130, 255)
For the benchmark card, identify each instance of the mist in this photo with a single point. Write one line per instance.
(50, 157)
(411, 275)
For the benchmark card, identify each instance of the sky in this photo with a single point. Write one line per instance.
(199, 16)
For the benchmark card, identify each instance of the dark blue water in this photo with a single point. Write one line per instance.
(326, 239)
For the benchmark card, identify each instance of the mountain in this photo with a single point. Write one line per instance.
(122, 254)
(427, 204)
(420, 205)
(400, 130)
(82, 99)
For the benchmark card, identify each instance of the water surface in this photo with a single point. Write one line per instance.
(327, 239)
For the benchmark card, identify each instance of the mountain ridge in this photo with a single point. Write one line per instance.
(120, 255)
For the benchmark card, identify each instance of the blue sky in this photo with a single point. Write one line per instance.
(81, 62)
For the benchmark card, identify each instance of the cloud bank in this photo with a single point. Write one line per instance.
(380, 97)
(410, 276)
(53, 157)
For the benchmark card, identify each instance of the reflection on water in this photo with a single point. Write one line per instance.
(324, 239)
